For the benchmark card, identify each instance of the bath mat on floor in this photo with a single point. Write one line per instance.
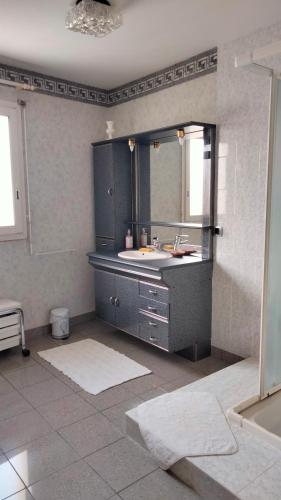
(184, 424)
(93, 366)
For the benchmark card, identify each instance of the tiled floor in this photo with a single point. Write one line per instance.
(58, 442)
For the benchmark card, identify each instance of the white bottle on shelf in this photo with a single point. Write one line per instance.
(129, 240)
(143, 237)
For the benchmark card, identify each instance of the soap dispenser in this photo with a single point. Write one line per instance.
(129, 240)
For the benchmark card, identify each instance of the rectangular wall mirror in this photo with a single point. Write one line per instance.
(173, 178)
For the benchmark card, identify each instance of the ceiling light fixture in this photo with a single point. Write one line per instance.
(93, 17)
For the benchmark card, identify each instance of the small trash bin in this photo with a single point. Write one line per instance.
(59, 320)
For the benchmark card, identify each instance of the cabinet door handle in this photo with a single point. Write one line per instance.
(153, 292)
(152, 324)
(111, 300)
(153, 339)
(116, 302)
(152, 309)
(110, 191)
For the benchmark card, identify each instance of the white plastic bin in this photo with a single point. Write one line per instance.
(59, 320)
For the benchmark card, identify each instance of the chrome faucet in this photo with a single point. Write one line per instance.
(180, 239)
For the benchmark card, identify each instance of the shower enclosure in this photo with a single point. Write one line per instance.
(270, 359)
(262, 413)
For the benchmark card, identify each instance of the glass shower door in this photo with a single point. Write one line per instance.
(270, 366)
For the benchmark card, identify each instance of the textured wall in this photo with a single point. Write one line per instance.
(193, 100)
(59, 134)
(243, 114)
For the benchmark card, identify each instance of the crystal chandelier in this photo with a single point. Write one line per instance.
(93, 17)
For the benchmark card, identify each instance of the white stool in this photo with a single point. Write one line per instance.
(9, 307)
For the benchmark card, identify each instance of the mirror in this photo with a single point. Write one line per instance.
(173, 179)
(176, 179)
(165, 182)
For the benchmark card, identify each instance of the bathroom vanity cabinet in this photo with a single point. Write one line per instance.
(164, 303)
(116, 298)
(113, 194)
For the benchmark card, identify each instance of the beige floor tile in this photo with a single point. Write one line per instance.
(5, 387)
(108, 398)
(21, 429)
(154, 393)
(10, 482)
(41, 457)
(144, 384)
(122, 463)
(12, 404)
(116, 414)
(28, 376)
(12, 359)
(66, 411)
(22, 495)
(158, 485)
(44, 392)
(76, 482)
(209, 365)
(90, 434)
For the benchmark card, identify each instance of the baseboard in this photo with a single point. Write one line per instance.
(76, 320)
(82, 318)
(226, 356)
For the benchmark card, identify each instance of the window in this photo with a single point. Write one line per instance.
(193, 161)
(12, 192)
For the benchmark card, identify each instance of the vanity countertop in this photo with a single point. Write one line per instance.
(157, 266)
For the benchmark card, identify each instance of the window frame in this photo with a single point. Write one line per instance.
(19, 230)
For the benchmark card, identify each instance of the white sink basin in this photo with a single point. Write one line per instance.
(137, 255)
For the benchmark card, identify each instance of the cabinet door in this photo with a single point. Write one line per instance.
(104, 191)
(105, 295)
(127, 305)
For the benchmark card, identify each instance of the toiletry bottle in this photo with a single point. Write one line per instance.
(143, 237)
(129, 240)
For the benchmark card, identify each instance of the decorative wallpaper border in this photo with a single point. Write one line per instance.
(193, 67)
(55, 86)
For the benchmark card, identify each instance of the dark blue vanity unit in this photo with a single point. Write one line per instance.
(166, 303)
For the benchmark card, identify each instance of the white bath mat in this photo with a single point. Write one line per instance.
(184, 424)
(93, 366)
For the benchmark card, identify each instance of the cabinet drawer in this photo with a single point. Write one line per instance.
(154, 331)
(104, 245)
(9, 320)
(154, 307)
(10, 342)
(149, 290)
(9, 331)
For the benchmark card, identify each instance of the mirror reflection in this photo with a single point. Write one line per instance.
(176, 179)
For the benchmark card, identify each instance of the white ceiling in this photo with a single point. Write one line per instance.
(155, 34)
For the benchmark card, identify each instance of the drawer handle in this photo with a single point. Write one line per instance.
(153, 292)
(153, 339)
(152, 309)
(152, 324)
(104, 244)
